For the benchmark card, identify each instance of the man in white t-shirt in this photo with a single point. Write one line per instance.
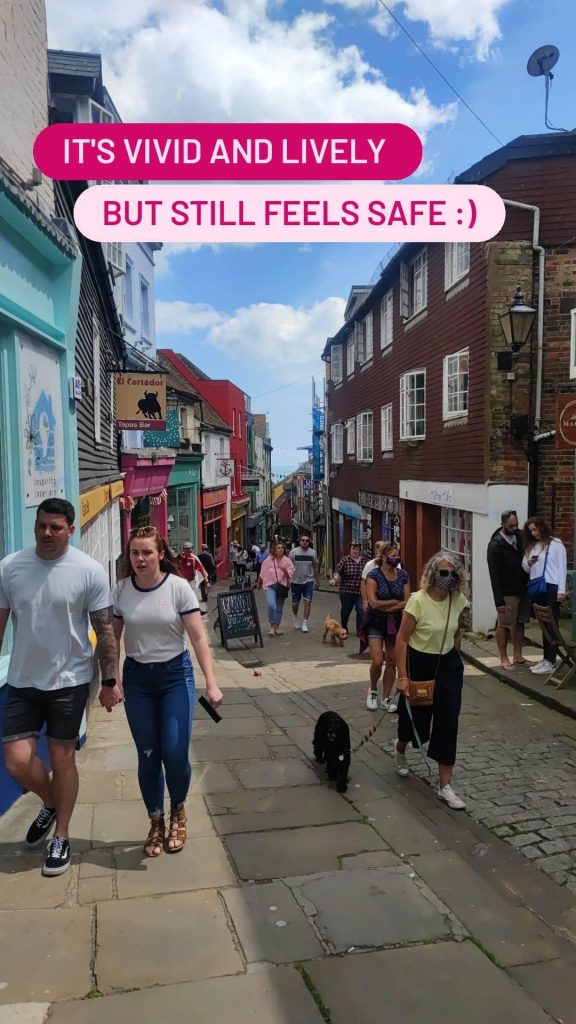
(53, 593)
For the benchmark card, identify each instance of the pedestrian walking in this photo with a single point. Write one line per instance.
(306, 578)
(509, 586)
(158, 611)
(428, 648)
(275, 577)
(348, 576)
(53, 593)
(240, 561)
(262, 555)
(387, 590)
(191, 568)
(209, 566)
(546, 563)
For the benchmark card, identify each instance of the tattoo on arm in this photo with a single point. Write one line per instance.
(106, 649)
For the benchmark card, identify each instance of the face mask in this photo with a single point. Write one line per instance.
(445, 582)
(393, 560)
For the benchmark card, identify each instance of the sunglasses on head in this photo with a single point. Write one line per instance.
(447, 572)
(144, 531)
(510, 512)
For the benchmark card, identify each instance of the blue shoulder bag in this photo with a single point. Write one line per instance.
(538, 585)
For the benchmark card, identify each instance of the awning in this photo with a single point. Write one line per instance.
(256, 517)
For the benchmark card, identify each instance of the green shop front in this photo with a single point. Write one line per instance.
(184, 510)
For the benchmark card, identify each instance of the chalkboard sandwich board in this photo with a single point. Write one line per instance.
(238, 616)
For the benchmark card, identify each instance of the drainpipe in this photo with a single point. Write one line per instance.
(540, 321)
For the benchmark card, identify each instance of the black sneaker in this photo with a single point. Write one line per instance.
(57, 857)
(41, 826)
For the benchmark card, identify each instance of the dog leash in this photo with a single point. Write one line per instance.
(416, 736)
(368, 736)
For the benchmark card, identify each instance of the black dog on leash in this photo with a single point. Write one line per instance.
(332, 747)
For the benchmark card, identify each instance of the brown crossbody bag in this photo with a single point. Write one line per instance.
(421, 694)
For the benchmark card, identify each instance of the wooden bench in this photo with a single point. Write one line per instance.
(565, 649)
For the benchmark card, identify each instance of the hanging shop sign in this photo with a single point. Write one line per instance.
(140, 401)
(566, 421)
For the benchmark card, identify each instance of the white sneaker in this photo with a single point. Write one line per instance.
(536, 664)
(305, 626)
(447, 794)
(400, 761)
(389, 704)
(296, 622)
(372, 700)
(543, 669)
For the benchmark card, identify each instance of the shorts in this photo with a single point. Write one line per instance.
(517, 612)
(375, 634)
(303, 590)
(27, 709)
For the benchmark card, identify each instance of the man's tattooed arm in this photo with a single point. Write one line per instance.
(106, 649)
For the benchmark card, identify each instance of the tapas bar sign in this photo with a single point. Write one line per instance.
(140, 401)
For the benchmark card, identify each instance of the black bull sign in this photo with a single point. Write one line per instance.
(140, 401)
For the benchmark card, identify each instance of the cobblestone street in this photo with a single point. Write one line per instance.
(516, 765)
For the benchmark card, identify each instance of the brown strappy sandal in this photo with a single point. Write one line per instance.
(177, 830)
(154, 843)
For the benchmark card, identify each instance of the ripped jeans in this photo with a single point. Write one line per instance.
(159, 702)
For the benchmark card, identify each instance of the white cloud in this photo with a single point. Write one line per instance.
(259, 334)
(169, 249)
(266, 332)
(183, 317)
(448, 21)
(190, 61)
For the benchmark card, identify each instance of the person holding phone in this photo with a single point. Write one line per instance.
(545, 556)
(159, 612)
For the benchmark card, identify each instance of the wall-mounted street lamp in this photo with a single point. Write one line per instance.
(517, 322)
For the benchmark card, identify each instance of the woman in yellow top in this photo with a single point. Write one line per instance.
(428, 647)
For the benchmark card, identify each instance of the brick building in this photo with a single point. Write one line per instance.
(429, 440)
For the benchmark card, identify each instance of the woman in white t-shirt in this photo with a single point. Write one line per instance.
(159, 612)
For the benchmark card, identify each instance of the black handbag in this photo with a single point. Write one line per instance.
(280, 589)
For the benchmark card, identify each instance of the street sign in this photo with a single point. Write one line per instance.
(140, 401)
(238, 616)
(566, 421)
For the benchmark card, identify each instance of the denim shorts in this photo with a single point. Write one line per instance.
(375, 634)
(303, 590)
(27, 709)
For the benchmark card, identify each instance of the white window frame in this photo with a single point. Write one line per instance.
(103, 116)
(456, 262)
(337, 443)
(410, 429)
(414, 285)
(386, 320)
(351, 355)
(456, 374)
(386, 434)
(336, 367)
(116, 257)
(364, 336)
(572, 344)
(128, 291)
(96, 379)
(365, 436)
(145, 306)
(351, 436)
(456, 536)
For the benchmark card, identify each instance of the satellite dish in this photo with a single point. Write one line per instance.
(543, 60)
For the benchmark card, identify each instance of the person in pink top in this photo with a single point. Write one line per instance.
(275, 576)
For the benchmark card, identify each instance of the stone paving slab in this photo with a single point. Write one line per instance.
(48, 955)
(552, 986)
(110, 759)
(126, 821)
(228, 749)
(510, 933)
(202, 864)
(372, 907)
(22, 885)
(233, 709)
(262, 774)
(270, 925)
(258, 809)
(96, 864)
(95, 890)
(163, 940)
(402, 829)
(377, 859)
(96, 786)
(442, 983)
(271, 996)
(233, 727)
(24, 1013)
(301, 851)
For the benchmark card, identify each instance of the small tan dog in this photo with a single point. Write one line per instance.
(334, 630)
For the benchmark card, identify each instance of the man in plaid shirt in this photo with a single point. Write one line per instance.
(348, 575)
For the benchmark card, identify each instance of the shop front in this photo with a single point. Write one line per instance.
(145, 501)
(381, 513)
(215, 527)
(347, 526)
(458, 519)
(239, 514)
(101, 525)
(39, 293)
(184, 501)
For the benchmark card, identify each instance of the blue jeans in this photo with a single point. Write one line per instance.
(159, 701)
(275, 606)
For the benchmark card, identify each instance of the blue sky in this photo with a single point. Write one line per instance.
(260, 315)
